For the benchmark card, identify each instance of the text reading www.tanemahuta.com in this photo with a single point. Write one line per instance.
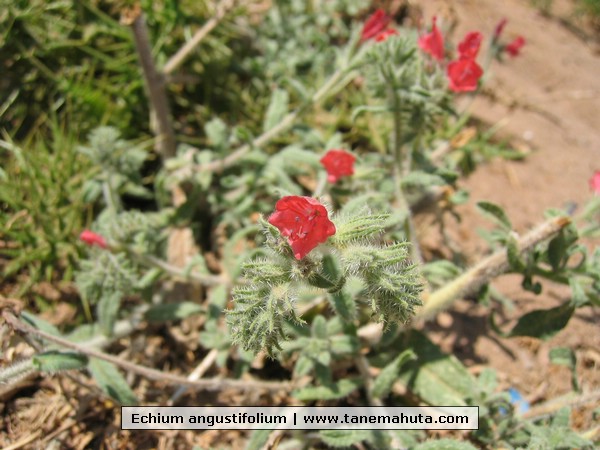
(299, 418)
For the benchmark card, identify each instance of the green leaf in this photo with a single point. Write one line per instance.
(107, 310)
(444, 444)
(578, 295)
(172, 311)
(319, 327)
(55, 361)
(258, 439)
(513, 254)
(388, 376)
(39, 323)
(111, 381)
(422, 179)
(339, 389)
(277, 109)
(217, 132)
(564, 356)
(556, 251)
(437, 378)
(344, 345)
(343, 438)
(343, 304)
(496, 213)
(543, 323)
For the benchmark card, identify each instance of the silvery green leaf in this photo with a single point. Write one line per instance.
(172, 311)
(496, 213)
(107, 309)
(339, 389)
(111, 381)
(390, 373)
(277, 109)
(217, 132)
(56, 361)
(343, 438)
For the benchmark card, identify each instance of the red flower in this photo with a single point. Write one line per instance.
(385, 34)
(463, 75)
(514, 48)
(338, 163)
(469, 47)
(303, 221)
(498, 30)
(595, 182)
(91, 238)
(433, 43)
(375, 24)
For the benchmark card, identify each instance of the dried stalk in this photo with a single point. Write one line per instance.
(155, 84)
(178, 58)
(146, 372)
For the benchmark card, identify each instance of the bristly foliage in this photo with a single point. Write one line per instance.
(267, 301)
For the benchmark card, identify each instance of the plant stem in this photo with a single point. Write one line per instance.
(182, 54)
(555, 404)
(196, 374)
(284, 124)
(489, 268)
(179, 273)
(147, 372)
(155, 84)
(321, 184)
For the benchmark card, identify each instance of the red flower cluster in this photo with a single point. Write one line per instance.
(514, 48)
(595, 182)
(377, 27)
(433, 42)
(338, 163)
(91, 238)
(303, 221)
(464, 73)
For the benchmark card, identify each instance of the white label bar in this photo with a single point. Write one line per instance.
(299, 418)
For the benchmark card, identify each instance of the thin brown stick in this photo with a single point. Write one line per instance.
(155, 84)
(489, 268)
(178, 58)
(146, 372)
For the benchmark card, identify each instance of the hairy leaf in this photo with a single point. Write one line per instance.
(339, 389)
(55, 361)
(111, 381)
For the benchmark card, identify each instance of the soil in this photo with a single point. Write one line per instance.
(547, 100)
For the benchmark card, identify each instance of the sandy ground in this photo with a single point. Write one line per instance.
(548, 98)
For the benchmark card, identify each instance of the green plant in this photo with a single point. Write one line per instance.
(330, 302)
(42, 208)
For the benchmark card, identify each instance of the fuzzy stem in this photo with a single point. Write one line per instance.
(196, 374)
(177, 272)
(398, 171)
(113, 202)
(147, 372)
(489, 268)
(362, 364)
(555, 404)
(155, 84)
(16, 371)
(182, 54)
